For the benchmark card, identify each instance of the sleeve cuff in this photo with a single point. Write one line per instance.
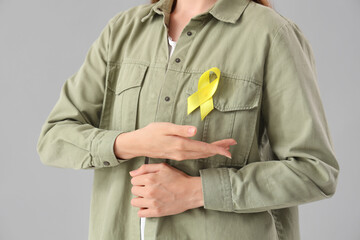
(216, 187)
(102, 149)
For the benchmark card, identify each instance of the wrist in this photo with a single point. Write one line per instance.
(197, 198)
(123, 147)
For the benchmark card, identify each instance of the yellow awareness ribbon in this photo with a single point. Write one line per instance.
(203, 96)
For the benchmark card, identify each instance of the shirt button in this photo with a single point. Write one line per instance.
(167, 98)
(189, 33)
(106, 163)
(177, 60)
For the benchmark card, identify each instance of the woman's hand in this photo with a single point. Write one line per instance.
(168, 140)
(164, 190)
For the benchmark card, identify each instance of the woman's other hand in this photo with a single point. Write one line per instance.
(168, 140)
(163, 190)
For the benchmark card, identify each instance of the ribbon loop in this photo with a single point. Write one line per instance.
(203, 96)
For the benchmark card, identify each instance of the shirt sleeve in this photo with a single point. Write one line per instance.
(70, 136)
(302, 166)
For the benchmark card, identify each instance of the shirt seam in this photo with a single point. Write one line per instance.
(153, 65)
(278, 32)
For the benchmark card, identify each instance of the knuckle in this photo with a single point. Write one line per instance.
(153, 203)
(157, 211)
(151, 192)
(156, 204)
(149, 180)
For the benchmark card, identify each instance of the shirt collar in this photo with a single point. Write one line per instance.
(224, 10)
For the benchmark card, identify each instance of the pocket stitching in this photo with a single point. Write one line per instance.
(136, 80)
(223, 107)
(119, 87)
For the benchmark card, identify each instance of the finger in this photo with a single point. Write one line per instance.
(214, 149)
(138, 190)
(146, 168)
(180, 130)
(191, 145)
(147, 212)
(223, 145)
(225, 142)
(205, 148)
(141, 202)
(138, 180)
(224, 152)
(197, 154)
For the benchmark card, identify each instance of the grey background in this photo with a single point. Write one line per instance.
(43, 42)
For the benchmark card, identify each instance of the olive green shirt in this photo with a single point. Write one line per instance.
(267, 99)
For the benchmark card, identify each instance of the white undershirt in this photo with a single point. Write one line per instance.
(171, 45)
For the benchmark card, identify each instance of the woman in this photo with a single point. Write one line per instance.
(261, 144)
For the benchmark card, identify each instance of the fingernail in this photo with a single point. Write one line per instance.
(191, 129)
(132, 172)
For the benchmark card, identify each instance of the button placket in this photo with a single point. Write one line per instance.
(188, 33)
(186, 38)
(175, 64)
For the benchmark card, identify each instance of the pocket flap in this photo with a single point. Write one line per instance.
(130, 75)
(233, 94)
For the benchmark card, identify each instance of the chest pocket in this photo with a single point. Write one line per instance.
(124, 83)
(234, 116)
